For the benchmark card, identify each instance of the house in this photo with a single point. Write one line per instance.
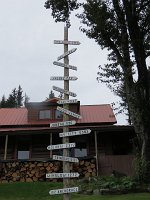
(25, 134)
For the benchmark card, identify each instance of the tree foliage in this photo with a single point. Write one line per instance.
(61, 10)
(14, 99)
(123, 28)
(51, 95)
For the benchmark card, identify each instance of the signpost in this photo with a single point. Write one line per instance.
(67, 101)
(66, 123)
(66, 159)
(67, 42)
(64, 91)
(64, 191)
(62, 175)
(62, 78)
(68, 112)
(65, 65)
(61, 146)
(73, 133)
(66, 53)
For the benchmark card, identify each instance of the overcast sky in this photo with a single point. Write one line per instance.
(27, 53)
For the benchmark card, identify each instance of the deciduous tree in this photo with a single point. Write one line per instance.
(123, 28)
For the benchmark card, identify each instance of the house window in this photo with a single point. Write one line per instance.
(23, 154)
(80, 150)
(45, 114)
(23, 149)
(58, 114)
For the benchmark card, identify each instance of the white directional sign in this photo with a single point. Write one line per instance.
(61, 146)
(65, 65)
(66, 123)
(64, 91)
(68, 112)
(64, 191)
(66, 159)
(66, 42)
(67, 101)
(65, 78)
(67, 53)
(73, 133)
(62, 175)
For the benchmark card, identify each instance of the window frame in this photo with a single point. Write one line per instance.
(45, 114)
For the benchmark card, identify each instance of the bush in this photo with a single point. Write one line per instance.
(109, 182)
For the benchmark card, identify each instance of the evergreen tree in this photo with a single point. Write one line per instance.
(19, 96)
(3, 102)
(14, 99)
(26, 99)
(51, 94)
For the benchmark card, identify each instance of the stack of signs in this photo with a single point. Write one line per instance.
(65, 123)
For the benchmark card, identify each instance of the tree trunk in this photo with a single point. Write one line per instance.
(140, 115)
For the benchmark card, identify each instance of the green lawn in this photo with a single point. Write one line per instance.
(40, 191)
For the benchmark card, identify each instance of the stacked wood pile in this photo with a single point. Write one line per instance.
(31, 171)
(85, 168)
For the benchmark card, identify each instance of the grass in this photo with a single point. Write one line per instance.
(40, 191)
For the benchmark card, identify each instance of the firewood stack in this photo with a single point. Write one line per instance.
(31, 171)
(86, 168)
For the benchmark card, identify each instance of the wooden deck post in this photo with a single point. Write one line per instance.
(6, 145)
(51, 141)
(96, 153)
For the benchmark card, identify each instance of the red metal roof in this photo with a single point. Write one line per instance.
(13, 116)
(90, 114)
(97, 114)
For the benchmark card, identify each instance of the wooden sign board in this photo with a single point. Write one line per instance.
(73, 133)
(61, 146)
(63, 78)
(67, 101)
(65, 158)
(68, 112)
(66, 123)
(67, 53)
(62, 175)
(64, 191)
(66, 42)
(65, 65)
(64, 91)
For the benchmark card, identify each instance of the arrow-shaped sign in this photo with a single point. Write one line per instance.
(62, 175)
(64, 91)
(73, 133)
(64, 191)
(67, 53)
(66, 123)
(66, 42)
(65, 65)
(68, 112)
(61, 146)
(65, 158)
(67, 101)
(65, 78)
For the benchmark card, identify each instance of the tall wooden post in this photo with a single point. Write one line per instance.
(51, 141)
(66, 165)
(6, 144)
(96, 152)
(66, 175)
